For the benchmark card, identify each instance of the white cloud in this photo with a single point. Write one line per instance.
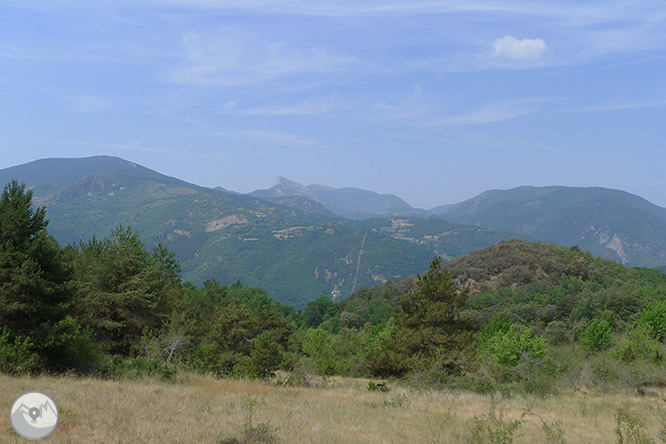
(525, 50)
(274, 137)
(232, 56)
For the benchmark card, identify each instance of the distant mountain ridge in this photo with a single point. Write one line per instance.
(610, 223)
(349, 202)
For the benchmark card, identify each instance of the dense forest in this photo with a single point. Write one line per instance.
(530, 316)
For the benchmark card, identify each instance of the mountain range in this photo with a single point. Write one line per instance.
(609, 223)
(351, 203)
(299, 241)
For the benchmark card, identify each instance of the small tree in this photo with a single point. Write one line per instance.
(653, 319)
(265, 357)
(598, 336)
(427, 323)
(319, 345)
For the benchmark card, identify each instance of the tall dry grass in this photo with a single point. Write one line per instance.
(201, 409)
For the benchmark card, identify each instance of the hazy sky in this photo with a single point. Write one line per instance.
(434, 101)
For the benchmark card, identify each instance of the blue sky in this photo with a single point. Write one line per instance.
(435, 101)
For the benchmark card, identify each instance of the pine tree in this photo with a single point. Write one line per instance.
(125, 291)
(34, 282)
(427, 325)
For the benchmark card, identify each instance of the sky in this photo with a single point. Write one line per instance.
(434, 101)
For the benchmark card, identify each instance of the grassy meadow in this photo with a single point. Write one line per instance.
(202, 409)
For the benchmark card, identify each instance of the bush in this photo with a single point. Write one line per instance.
(629, 429)
(492, 428)
(73, 346)
(507, 347)
(598, 336)
(557, 333)
(319, 345)
(653, 319)
(638, 344)
(117, 366)
(259, 433)
(17, 356)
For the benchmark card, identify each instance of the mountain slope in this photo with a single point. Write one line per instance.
(446, 239)
(352, 203)
(606, 222)
(295, 255)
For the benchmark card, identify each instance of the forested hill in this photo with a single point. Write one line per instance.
(531, 281)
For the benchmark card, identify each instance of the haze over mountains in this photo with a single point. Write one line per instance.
(352, 203)
(301, 241)
(606, 222)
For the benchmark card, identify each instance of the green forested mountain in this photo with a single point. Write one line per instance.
(294, 254)
(606, 222)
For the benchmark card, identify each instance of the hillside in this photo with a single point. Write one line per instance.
(531, 282)
(293, 246)
(606, 222)
(294, 255)
(446, 239)
(352, 203)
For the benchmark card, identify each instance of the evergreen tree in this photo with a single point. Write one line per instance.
(125, 291)
(427, 325)
(35, 290)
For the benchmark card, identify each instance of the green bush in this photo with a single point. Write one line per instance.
(638, 344)
(16, 355)
(509, 346)
(117, 366)
(598, 336)
(557, 333)
(318, 344)
(492, 428)
(653, 319)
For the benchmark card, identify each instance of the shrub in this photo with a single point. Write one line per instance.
(507, 347)
(557, 333)
(319, 345)
(17, 356)
(492, 428)
(629, 429)
(653, 319)
(636, 345)
(379, 387)
(598, 336)
(258, 433)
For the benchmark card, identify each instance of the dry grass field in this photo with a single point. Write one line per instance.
(201, 409)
